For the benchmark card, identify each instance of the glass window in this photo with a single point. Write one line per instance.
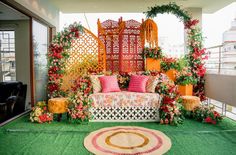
(7, 56)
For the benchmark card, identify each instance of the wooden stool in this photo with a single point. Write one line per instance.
(190, 102)
(58, 106)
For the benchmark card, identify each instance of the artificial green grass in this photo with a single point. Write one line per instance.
(190, 138)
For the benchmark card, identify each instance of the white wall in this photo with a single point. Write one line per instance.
(22, 49)
(221, 88)
(196, 13)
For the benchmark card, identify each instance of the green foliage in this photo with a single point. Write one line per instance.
(169, 63)
(169, 8)
(155, 53)
(206, 114)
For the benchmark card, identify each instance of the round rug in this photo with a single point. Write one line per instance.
(127, 140)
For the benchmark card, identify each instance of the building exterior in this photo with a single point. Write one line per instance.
(229, 49)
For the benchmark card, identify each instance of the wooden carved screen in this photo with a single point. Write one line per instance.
(86, 55)
(123, 45)
(131, 49)
(108, 33)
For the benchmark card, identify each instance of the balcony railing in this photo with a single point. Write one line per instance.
(222, 61)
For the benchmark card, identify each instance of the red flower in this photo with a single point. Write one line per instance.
(165, 109)
(208, 119)
(188, 24)
(168, 100)
(44, 108)
(213, 122)
(166, 121)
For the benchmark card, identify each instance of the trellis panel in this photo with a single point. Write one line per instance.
(87, 54)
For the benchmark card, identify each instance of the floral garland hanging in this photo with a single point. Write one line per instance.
(57, 56)
(196, 55)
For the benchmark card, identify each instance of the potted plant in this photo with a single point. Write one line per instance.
(169, 66)
(185, 81)
(152, 56)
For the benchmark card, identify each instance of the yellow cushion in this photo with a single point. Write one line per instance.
(57, 105)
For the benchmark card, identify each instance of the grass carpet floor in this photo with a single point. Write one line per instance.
(190, 138)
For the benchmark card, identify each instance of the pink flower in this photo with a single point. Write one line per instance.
(166, 121)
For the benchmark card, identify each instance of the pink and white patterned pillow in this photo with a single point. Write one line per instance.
(96, 83)
(138, 83)
(109, 84)
(151, 84)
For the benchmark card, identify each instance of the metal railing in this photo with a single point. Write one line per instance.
(220, 60)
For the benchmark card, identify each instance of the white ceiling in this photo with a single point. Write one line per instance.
(8, 13)
(126, 6)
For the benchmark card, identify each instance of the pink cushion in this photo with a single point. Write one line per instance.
(109, 84)
(138, 83)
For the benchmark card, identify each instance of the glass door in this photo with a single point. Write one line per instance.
(40, 49)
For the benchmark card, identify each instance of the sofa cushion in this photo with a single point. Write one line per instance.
(126, 99)
(109, 84)
(96, 83)
(138, 83)
(151, 84)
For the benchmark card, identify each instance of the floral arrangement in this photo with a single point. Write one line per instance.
(196, 54)
(155, 53)
(169, 63)
(40, 113)
(206, 114)
(196, 57)
(123, 80)
(57, 55)
(185, 77)
(79, 102)
(170, 109)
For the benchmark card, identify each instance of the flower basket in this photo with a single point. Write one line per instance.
(171, 74)
(186, 89)
(153, 64)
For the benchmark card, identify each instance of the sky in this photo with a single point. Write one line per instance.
(213, 25)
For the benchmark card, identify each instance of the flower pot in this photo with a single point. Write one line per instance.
(171, 74)
(153, 64)
(186, 90)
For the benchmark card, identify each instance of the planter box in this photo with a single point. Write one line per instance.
(186, 90)
(171, 74)
(153, 64)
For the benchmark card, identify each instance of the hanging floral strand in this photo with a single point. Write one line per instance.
(149, 33)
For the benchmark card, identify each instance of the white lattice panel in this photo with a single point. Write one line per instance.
(125, 114)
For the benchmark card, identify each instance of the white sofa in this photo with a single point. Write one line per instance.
(125, 106)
